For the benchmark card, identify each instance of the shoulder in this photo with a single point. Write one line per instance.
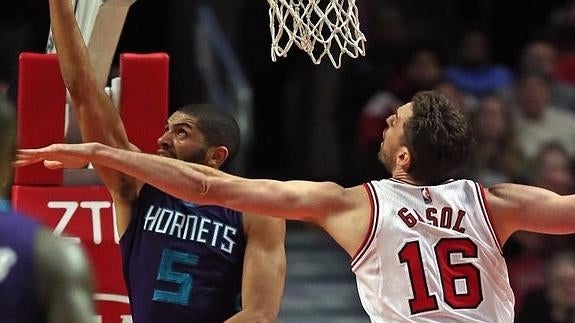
(504, 198)
(60, 260)
(510, 192)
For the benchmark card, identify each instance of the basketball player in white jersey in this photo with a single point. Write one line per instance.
(424, 247)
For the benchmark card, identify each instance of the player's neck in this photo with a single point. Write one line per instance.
(404, 177)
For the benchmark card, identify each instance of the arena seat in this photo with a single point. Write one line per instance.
(85, 213)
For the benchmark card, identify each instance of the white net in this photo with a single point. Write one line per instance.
(332, 30)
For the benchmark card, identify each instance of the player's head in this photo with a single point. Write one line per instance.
(200, 133)
(427, 138)
(7, 145)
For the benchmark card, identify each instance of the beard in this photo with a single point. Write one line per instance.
(385, 159)
(197, 157)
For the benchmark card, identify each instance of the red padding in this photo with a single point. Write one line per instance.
(85, 213)
(144, 97)
(41, 110)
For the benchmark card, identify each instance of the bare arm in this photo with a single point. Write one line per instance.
(264, 270)
(64, 279)
(300, 200)
(527, 208)
(98, 118)
(342, 212)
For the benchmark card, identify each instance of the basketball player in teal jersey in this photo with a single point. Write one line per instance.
(181, 262)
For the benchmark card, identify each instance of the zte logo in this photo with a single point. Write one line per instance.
(95, 209)
(110, 301)
(123, 319)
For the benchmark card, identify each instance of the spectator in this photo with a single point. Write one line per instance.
(538, 121)
(465, 102)
(474, 72)
(422, 71)
(540, 57)
(555, 302)
(525, 265)
(497, 156)
(552, 169)
(563, 31)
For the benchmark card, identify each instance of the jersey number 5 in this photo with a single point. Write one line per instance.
(167, 273)
(422, 300)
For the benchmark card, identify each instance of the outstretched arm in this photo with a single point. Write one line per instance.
(201, 184)
(527, 208)
(343, 212)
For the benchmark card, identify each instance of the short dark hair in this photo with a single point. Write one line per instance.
(218, 127)
(7, 144)
(438, 138)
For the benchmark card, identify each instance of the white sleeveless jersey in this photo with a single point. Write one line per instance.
(431, 255)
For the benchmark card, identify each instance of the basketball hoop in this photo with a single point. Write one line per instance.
(332, 31)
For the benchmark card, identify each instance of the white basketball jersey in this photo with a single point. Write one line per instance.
(431, 255)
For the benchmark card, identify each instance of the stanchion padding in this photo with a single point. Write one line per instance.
(41, 112)
(144, 97)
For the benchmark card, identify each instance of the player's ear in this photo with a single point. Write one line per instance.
(403, 158)
(216, 156)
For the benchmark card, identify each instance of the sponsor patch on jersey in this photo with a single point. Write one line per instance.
(426, 195)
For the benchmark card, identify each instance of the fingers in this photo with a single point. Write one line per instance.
(53, 164)
(54, 157)
(24, 161)
(25, 157)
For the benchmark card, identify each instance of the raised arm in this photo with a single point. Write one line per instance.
(98, 119)
(527, 208)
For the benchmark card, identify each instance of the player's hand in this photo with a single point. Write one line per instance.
(54, 156)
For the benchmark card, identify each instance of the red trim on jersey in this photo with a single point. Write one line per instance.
(487, 213)
(370, 234)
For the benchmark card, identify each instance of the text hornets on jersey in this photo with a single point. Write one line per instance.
(191, 227)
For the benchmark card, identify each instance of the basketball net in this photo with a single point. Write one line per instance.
(332, 31)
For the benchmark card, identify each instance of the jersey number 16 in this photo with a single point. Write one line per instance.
(422, 300)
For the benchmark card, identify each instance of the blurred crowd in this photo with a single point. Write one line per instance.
(509, 66)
